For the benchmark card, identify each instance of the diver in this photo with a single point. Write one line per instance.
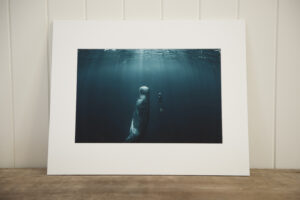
(140, 117)
(160, 102)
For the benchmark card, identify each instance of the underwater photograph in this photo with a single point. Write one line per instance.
(148, 96)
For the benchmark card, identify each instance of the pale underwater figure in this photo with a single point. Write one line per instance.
(140, 117)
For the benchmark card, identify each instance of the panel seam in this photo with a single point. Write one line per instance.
(85, 9)
(161, 9)
(123, 9)
(275, 146)
(12, 83)
(199, 9)
(48, 59)
(238, 9)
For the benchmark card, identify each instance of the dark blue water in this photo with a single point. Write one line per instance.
(189, 83)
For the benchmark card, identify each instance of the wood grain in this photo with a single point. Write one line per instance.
(262, 184)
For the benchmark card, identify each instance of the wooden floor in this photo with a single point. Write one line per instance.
(262, 184)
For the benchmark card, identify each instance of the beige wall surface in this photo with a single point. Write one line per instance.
(273, 41)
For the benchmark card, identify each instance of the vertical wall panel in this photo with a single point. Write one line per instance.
(142, 9)
(66, 10)
(63, 10)
(105, 9)
(6, 115)
(218, 9)
(180, 9)
(25, 78)
(30, 80)
(261, 42)
(288, 85)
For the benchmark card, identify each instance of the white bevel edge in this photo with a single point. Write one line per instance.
(66, 157)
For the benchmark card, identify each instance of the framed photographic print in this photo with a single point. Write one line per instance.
(161, 98)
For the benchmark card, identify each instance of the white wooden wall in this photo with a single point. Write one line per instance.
(273, 51)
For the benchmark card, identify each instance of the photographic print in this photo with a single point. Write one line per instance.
(148, 96)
